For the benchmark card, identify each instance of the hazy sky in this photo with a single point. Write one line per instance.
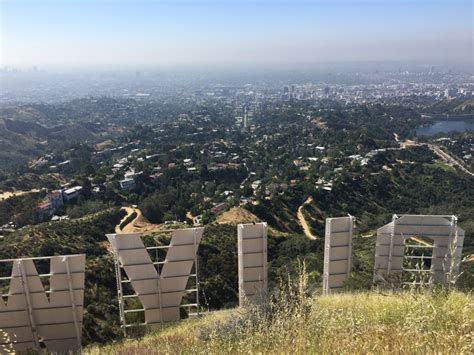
(233, 32)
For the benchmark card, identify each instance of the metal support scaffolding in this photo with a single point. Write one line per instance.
(26, 292)
(453, 236)
(392, 237)
(29, 318)
(327, 257)
(158, 279)
(118, 278)
(264, 252)
(419, 271)
(196, 268)
(349, 253)
(445, 252)
(73, 302)
(452, 248)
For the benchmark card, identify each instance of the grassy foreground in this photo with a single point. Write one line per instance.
(368, 322)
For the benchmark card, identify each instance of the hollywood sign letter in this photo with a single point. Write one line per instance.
(159, 293)
(446, 238)
(252, 260)
(28, 317)
(337, 253)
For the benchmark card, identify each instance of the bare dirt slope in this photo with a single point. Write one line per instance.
(138, 224)
(235, 216)
(302, 221)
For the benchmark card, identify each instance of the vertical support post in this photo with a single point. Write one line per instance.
(73, 302)
(118, 277)
(451, 252)
(160, 298)
(454, 259)
(392, 237)
(349, 248)
(196, 270)
(26, 290)
(264, 257)
(453, 241)
(327, 248)
(240, 265)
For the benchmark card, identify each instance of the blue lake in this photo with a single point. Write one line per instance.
(445, 127)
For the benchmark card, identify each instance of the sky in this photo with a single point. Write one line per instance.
(289, 33)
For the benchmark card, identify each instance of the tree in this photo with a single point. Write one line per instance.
(150, 208)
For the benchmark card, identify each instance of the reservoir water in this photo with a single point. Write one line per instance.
(445, 127)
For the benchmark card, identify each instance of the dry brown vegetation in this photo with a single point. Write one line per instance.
(409, 322)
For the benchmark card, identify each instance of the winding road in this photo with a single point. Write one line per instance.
(302, 221)
(128, 228)
(448, 158)
(437, 150)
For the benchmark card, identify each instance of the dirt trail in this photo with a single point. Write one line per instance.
(130, 211)
(421, 241)
(302, 221)
(8, 194)
(139, 224)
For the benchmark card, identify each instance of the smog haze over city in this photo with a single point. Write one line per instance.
(46, 42)
(304, 168)
(153, 33)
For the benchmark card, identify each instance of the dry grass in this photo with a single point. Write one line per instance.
(404, 323)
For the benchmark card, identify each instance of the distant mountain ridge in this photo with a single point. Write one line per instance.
(16, 148)
(21, 141)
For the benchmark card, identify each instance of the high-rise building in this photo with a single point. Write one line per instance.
(450, 92)
(245, 118)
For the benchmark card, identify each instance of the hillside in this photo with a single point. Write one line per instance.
(352, 323)
(217, 261)
(412, 182)
(465, 107)
(21, 141)
(32, 182)
(19, 208)
(15, 147)
(457, 105)
(235, 216)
